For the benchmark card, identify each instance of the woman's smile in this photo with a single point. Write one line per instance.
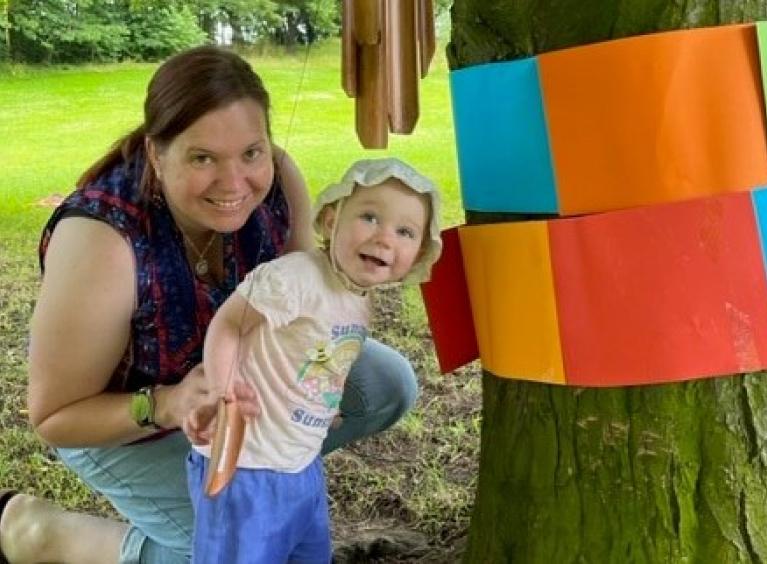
(229, 205)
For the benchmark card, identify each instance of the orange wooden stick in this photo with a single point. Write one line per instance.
(225, 449)
(348, 49)
(402, 65)
(426, 34)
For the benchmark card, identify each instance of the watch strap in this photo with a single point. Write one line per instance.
(142, 407)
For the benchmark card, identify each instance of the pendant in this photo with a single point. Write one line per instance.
(201, 267)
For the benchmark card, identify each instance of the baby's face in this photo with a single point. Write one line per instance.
(380, 232)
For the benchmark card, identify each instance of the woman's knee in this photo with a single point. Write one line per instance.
(383, 382)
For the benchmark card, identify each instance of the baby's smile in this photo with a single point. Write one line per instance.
(375, 260)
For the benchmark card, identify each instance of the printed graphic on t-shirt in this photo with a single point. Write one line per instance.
(322, 375)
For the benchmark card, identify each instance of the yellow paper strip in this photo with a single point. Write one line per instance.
(511, 288)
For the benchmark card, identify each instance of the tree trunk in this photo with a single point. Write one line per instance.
(667, 473)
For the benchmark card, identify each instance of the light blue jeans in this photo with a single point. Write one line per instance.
(147, 485)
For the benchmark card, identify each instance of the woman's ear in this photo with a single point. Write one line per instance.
(153, 156)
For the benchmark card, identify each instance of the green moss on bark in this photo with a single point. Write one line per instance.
(509, 29)
(644, 474)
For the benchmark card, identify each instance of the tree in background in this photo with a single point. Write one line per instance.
(667, 473)
(5, 28)
(159, 31)
(54, 31)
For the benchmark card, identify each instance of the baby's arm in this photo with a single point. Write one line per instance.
(226, 336)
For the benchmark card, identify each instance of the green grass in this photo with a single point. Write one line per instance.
(55, 122)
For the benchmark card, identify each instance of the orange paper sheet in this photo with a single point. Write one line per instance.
(655, 118)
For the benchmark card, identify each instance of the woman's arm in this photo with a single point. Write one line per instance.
(80, 329)
(301, 232)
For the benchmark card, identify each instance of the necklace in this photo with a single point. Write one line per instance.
(201, 266)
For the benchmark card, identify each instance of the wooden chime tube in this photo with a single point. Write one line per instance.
(402, 65)
(426, 35)
(367, 18)
(372, 106)
(348, 50)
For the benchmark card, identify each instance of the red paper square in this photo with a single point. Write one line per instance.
(448, 308)
(661, 293)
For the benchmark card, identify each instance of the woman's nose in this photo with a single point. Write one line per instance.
(231, 176)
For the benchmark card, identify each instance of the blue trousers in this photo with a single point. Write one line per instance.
(261, 517)
(147, 483)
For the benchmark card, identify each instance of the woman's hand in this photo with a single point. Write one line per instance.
(173, 403)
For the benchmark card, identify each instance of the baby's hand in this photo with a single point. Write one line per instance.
(200, 423)
(246, 397)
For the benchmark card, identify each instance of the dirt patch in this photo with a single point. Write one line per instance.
(406, 494)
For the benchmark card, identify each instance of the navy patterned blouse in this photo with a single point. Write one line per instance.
(174, 306)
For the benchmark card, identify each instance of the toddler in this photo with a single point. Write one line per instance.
(279, 350)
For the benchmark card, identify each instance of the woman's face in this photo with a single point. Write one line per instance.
(218, 170)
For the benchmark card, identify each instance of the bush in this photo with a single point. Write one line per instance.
(159, 32)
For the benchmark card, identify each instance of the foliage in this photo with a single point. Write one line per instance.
(157, 32)
(4, 28)
(53, 31)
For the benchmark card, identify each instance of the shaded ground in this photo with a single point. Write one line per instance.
(406, 495)
(402, 496)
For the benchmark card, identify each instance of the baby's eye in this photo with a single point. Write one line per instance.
(406, 232)
(368, 217)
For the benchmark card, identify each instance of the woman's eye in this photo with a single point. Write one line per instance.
(252, 154)
(201, 160)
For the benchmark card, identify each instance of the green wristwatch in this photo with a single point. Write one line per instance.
(142, 407)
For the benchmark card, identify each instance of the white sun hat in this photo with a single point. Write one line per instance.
(370, 172)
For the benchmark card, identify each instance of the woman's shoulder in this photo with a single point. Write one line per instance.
(114, 198)
(106, 249)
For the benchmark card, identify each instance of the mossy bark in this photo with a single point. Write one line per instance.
(655, 474)
(494, 30)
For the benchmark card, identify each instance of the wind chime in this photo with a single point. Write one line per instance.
(387, 45)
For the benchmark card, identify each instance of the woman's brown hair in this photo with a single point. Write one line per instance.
(183, 89)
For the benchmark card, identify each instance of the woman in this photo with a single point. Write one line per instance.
(135, 261)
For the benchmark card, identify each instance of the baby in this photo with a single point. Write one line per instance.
(279, 350)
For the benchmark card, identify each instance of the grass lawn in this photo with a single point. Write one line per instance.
(55, 122)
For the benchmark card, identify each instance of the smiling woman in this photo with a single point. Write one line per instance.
(218, 170)
(136, 261)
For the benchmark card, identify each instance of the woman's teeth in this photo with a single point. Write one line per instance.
(226, 204)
